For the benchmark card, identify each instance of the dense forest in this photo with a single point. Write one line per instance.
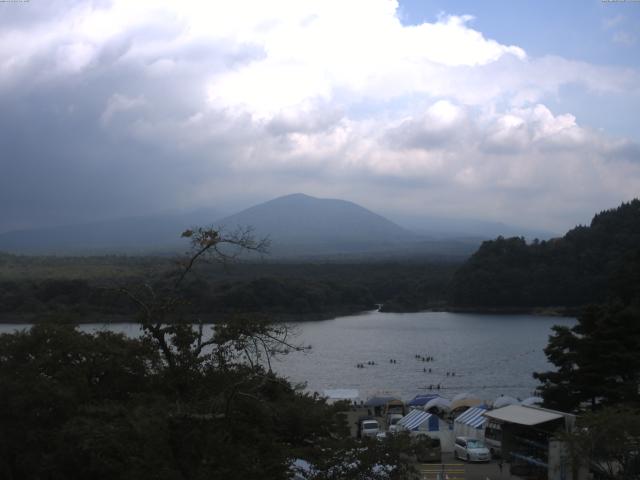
(87, 288)
(571, 271)
(507, 273)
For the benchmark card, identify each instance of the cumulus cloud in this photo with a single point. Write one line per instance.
(129, 107)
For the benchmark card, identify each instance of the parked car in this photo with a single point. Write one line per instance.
(427, 449)
(392, 422)
(471, 450)
(368, 427)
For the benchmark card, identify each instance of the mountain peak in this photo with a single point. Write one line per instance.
(304, 221)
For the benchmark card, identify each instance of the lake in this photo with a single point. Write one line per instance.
(489, 354)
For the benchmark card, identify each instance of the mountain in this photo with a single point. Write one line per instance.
(571, 271)
(141, 235)
(299, 227)
(299, 224)
(441, 227)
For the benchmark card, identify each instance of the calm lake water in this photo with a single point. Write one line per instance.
(490, 354)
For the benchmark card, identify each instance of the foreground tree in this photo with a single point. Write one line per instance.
(598, 360)
(177, 403)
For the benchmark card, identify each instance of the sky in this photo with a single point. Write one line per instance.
(521, 112)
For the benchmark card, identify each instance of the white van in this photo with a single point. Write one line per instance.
(368, 427)
(471, 450)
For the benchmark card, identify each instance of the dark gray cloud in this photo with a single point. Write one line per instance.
(153, 114)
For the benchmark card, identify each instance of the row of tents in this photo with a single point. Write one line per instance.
(431, 401)
(466, 400)
(439, 417)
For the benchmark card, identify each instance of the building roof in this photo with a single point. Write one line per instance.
(523, 415)
(473, 417)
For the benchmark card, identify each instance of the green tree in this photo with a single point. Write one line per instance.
(607, 442)
(598, 360)
(178, 403)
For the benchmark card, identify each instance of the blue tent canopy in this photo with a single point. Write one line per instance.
(473, 417)
(415, 418)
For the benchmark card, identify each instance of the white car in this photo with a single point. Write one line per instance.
(368, 427)
(471, 450)
(392, 422)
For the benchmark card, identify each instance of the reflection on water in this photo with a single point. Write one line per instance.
(489, 354)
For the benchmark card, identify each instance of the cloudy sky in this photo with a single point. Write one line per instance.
(524, 112)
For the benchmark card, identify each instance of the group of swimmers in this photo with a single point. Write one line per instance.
(361, 365)
(419, 357)
(424, 359)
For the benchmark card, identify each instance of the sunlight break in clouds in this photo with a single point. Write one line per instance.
(251, 100)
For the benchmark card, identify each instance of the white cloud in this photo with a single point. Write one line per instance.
(611, 22)
(624, 38)
(338, 101)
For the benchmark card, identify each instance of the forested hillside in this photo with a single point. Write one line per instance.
(570, 271)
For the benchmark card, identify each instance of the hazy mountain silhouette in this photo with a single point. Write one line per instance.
(300, 223)
(441, 228)
(153, 234)
(299, 226)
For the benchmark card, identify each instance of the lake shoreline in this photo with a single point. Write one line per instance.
(90, 318)
(555, 311)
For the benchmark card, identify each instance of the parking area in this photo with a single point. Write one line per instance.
(450, 468)
(454, 469)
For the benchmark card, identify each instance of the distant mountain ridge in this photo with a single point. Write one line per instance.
(439, 227)
(299, 226)
(134, 235)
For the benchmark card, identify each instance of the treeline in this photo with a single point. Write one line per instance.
(308, 290)
(571, 271)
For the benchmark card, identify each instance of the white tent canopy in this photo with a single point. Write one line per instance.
(470, 423)
(465, 402)
(420, 421)
(462, 396)
(438, 402)
(505, 400)
(532, 401)
(474, 417)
